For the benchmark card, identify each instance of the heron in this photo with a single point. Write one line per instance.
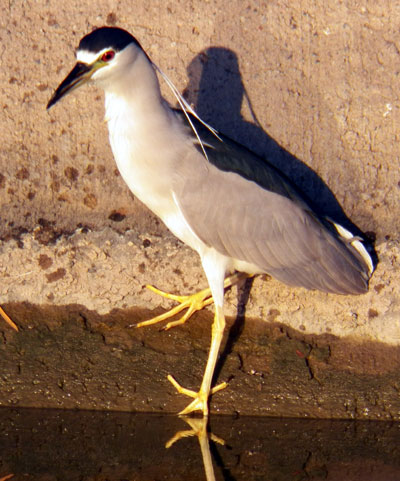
(242, 215)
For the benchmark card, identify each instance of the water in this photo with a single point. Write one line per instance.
(87, 445)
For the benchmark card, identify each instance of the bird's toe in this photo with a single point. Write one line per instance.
(193, 302)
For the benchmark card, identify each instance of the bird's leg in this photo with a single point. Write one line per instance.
(200, 401)
(194, 302)
(8, 320)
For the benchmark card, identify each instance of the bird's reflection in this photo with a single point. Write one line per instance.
(200, 429)
(73, 445)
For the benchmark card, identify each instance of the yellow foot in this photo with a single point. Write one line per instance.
(200, 399)
(192, 303)
(8, 321)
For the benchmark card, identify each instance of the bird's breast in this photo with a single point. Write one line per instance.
(147, 158)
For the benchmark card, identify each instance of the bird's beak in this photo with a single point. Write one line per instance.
(78, 76)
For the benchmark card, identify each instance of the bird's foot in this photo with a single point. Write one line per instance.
(193, 303)
(200, 399)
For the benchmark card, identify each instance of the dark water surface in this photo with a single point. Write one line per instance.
(87, 445)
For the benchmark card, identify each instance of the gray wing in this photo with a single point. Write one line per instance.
(275, 232)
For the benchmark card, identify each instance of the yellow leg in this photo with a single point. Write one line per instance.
(8, 320)
(192, 303)
(200, 401)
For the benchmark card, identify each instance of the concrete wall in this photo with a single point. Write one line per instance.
(313, 86)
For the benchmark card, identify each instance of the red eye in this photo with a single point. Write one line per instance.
(107, 56)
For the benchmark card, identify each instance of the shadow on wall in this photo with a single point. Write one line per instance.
(216, 90)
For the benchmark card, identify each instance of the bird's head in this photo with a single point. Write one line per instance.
(100, 56)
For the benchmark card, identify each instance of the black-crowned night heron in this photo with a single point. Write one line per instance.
(239, 213)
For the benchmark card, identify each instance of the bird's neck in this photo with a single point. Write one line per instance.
(135, 95)
(144, 132)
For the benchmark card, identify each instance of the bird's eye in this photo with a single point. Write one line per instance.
(107, 56)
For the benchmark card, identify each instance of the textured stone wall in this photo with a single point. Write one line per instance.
(311, 86)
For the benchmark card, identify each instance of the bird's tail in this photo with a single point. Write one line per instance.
(356, 243)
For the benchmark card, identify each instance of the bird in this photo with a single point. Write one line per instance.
(241, 214)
